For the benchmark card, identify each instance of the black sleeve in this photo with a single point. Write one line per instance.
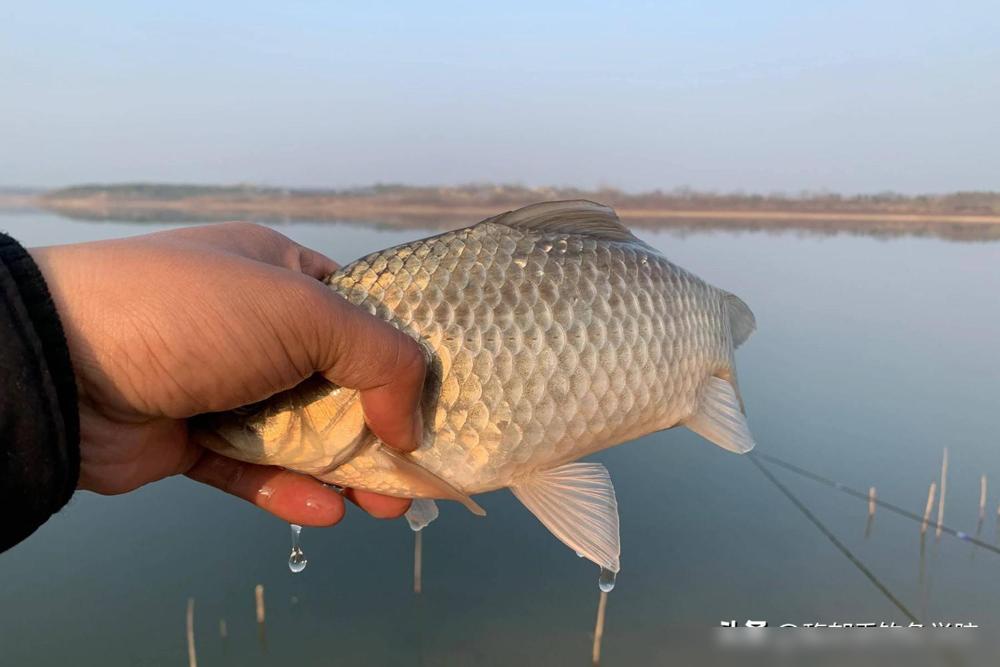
(39, 418)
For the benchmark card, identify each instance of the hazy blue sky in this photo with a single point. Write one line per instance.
(850, 96)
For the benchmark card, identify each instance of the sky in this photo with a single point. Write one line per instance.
(724, 96)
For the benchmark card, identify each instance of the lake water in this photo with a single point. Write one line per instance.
(871, 356)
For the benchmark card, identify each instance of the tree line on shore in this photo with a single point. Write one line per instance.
(489, 195)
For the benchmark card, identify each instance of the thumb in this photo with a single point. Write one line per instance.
(387, 366)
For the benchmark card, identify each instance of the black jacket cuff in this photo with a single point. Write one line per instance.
(39, 417)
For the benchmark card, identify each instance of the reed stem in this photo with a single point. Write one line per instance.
(418, 561)
(982, 497)
(595, 654)
(258, 594)
(944, 488)
(192, 654)
(928, 508)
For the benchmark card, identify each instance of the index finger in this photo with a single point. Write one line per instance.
(257, 242)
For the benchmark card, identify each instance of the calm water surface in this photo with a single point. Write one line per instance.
(871, 356)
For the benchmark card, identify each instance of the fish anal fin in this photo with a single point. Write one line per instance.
(719, 417)
(577, 503)
(421, 513)
(575, 216)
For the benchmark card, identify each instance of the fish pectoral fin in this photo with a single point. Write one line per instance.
(421, 513)
(576, 502)
(421, 478)
(719, 418)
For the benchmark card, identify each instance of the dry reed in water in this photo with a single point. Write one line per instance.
(927, 510)
(258, 593)
(944, 487)
(982, 497)
(595, 654)
(418, 561)
(192, 655)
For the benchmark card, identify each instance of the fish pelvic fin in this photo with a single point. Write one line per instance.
(384, 470)
(719, 417)
(421, 477)
(576, 502)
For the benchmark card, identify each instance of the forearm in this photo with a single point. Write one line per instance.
(39, 421)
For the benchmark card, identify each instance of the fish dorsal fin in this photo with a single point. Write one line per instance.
(575, 216)
(741, 320)
(576, 502)
(719, 418)
(421, 513)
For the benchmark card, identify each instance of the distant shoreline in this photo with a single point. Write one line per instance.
(374, 209)
(18, 201)
(964, 216)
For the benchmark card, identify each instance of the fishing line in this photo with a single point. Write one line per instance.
(833, 539)
(864, 496)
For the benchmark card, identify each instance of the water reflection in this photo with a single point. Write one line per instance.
(873, 228)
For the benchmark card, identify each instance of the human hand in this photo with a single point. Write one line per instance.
(165, 326)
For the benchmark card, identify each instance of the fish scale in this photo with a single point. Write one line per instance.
(551, 333)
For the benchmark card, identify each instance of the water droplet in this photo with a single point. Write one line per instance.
(296, 560)
(607, 580)
(579, 554)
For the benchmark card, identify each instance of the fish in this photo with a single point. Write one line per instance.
(551, 332)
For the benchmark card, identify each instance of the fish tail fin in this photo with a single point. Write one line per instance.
(741, 321)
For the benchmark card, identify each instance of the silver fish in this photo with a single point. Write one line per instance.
(551, 333)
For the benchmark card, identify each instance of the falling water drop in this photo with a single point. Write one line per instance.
(296, 560)
(606, 582)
